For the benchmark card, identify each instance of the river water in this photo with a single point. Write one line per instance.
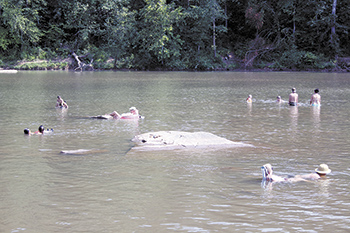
(120, 189)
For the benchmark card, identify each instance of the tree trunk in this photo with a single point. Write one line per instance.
(214, 42)
(334, 8)
(333, 35)
(294, 25)
(226, 23)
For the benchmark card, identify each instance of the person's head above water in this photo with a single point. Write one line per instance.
(26, 131)
(41, 129)
(317, 91)
(323, 170)
(294, 90)
(133, 110)
(267, 171)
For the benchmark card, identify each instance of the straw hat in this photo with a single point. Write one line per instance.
(323, 169)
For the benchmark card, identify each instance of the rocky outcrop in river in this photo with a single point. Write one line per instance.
(169, 140)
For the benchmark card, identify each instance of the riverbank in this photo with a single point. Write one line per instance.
(69, 64)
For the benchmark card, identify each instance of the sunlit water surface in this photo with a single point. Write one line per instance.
(121, 189)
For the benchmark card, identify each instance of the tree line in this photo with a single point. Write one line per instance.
(178, 34)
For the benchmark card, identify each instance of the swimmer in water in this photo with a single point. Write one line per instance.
(134, 113)
(267, 172)
(293, 98)
(249, 99)
(320, 172)
(40, 130)
(279, 100)
(315, 99)
(27, 131)
(61, 103)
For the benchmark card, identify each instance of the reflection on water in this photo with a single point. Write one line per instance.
(293, 112)
(125, 190)
(267, 186)
(323, 186)
(61, 113)
(316, 113)
(249, 107)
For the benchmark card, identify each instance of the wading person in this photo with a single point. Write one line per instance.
(293, 98)
(315, 99)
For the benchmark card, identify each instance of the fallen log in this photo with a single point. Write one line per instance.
(81, 65)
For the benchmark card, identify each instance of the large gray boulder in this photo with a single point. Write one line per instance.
(169, 140)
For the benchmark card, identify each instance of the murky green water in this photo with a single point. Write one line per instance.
(123, 190)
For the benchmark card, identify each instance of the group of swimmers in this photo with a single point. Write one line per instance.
(41, 130)
(267, 169)
(293, 98)
(133, 114)
(314, 101)
(321, 171)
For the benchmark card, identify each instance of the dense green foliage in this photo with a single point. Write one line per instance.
(177, 34)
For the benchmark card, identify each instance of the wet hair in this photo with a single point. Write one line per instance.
(316, 90)
(26, 131)
(41, 128)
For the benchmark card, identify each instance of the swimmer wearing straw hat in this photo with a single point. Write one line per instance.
(267, 172)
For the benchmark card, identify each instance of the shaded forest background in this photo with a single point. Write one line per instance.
(175, 34)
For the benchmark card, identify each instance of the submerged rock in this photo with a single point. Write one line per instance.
(168, 140)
